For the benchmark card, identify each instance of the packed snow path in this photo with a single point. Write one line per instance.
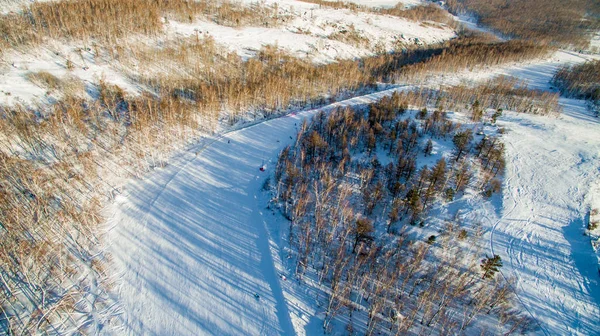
(191, 245)
(551, 165)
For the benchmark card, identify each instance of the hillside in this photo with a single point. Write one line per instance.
(417, 174)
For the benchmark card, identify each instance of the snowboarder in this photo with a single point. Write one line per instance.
(256, 296)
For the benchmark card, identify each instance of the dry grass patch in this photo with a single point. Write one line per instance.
(350, 35)
(337, 5)
(470, 52)
(582, 80)
(45, 79)
(428, 12)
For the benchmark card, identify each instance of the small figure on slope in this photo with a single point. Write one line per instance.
(263, 166)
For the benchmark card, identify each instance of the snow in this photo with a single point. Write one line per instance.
(191, 242)
(192, 246)
(306, 34)
(7, 6)
(52, 58)
(595, 43)
(536, 73)
(551, 165)
(386, 3)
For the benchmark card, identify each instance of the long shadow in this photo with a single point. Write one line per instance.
(576, 108)
(192, 247)
(587, 265)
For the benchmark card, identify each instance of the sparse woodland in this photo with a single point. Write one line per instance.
(467, 52)
(56, 161)
(581, 81)
(568, 23)
(354, 194)
(115, 19)
(427, 12)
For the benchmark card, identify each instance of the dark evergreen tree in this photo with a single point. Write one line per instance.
(491, 266)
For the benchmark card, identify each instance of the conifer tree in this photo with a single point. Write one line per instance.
(491, 266)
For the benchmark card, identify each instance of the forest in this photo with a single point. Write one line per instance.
(580, 81)
(358, 198)
(568, 23)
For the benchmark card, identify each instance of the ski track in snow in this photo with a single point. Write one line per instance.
(550, 165)
(192, 245)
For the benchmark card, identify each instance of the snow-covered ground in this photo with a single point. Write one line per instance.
(386, 3)
(538, 229)
(192, 247)
(7, 6)
(190, 241)
(595, 43)
(536, 73)
(87, 70)
(551, 166)
(306, 34)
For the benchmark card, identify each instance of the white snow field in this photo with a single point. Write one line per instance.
(385, 3)
(7, 6)
(551, 166)
(192, 247)
(538, 229)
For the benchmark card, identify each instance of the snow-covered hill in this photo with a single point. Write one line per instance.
(309, 31)
(193, 248)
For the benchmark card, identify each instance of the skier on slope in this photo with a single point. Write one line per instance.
(263, 166)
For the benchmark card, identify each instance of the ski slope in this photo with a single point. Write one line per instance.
(551, 165)
(190, 244)
(192, 247)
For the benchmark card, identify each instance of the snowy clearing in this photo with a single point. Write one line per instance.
(386, 3)
(551, 165)
(536, 74)
(8, 6)
(306, 34)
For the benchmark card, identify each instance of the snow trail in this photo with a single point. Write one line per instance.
(550, 165)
